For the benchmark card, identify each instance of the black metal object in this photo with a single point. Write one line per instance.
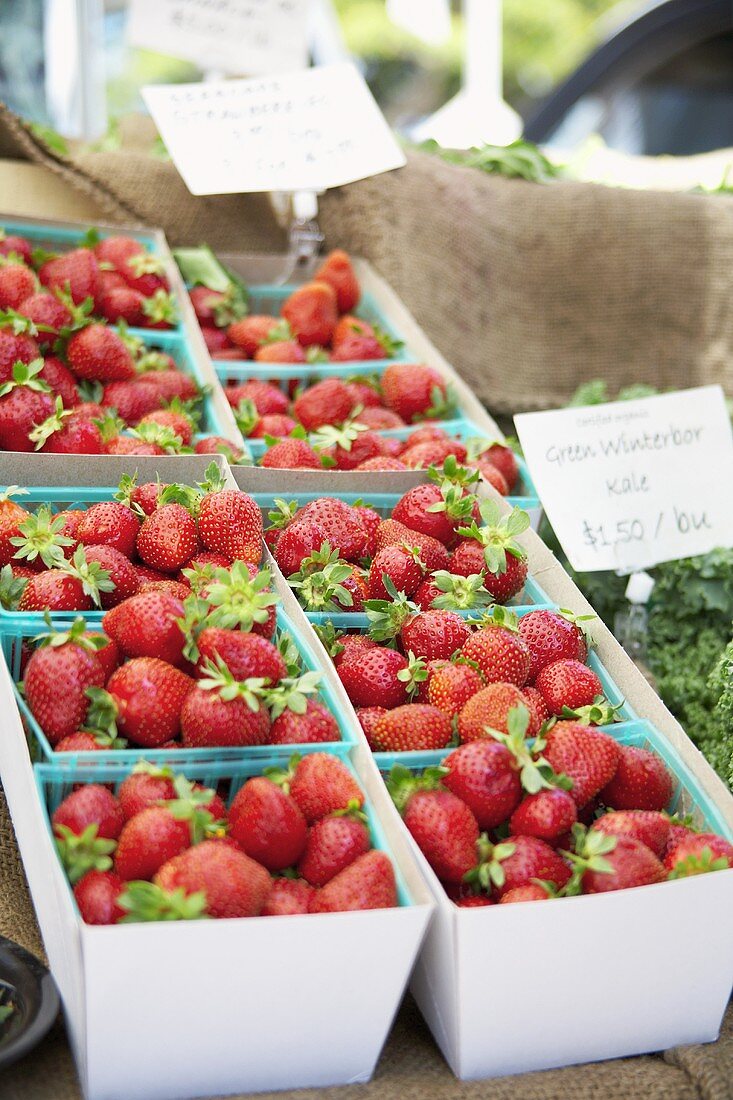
(27, 988)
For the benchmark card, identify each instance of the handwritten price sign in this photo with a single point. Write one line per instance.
(630, 484)
(305, 131)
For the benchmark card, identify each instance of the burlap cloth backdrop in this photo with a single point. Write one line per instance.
(527, 290)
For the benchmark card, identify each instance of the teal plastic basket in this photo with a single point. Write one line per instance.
(11, 642)
(54, 784)
(689, 795)
(267, 299)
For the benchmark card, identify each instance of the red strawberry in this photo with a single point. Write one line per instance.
(99, 354)
(432, 553)
(19, 245)
(144, 272)
(122, 303)
(81, 741)
(333, 843)
(640, 782)
(47, 310)
(148, 694)
(246, 655)
(173, 383)
(492, 475)
(142, 789)
(490, 707)
(451, 686)
(24, 403)
(322, 784)
(218, 445)
(616, 863)
(291, 454)
(537, 705)
(65, 433)
(352, 647)
(267, 399)
(375, 675)
(357, 347)
(368, 718)
(111, 523)
(317, 724)
(445, 830)
(55, 590)
(502, 457)
(268, 824)
(435, 453)
(499, 653)
(97, 894)
(280, 351)
(230, 523)
(132, 398)
(379, 419)
(532, 892)
(468, 559)
(121, 571)
(327, 402)
(547, 815)
(337, 271)
(435, 635)
(382, 462)
(484, 775)
(414, 510)
(216, 714)
(367, 883)
(146, 625)
(312, 313)
(550, 637)
(61, 381)
(363, 395)
(568, 683)
(698, 853)
(414, 391)
(586, 755)
(148, 840)
(277, 425)
(128, 445)
(647, 826)
(17, 282)
(412, 727)
(89, 804)
(340, 524)
(234, 885)
(401, 565)
(117, 250)
(251, 331)
(517, 861)
(15, 347)
(288, 897)
(167, 538)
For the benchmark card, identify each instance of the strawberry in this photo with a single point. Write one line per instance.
(97, 893)
(546, 815)
(423, 455)
(367, 883)
(117, 250)
(17, 282)
(82, 741)
(122, 303)
(312, 313)
(19, 245)
(216, 339)
(65, 433)
(363, 394)
(73, 586)
(332, 844)
(434, 512)
(412, 727)
(640, 782)
(614, 863)
(492, 475)
(327, 402)
(11, 516)
(379, 419)
(503, 458)
(250, 332)
(370, 520)
(218, 445)
(532, 892)
(321, 784)
(568, 684)
(382, 462)
(132, 398)
(368, 718)
(340, 524)
(280, 351)
(450, 687)
(516, 862)
(128, 445)
(403, 567)
(146, 625)
(99, 354)
(148, 840)
(76, 272)
(375, 675)
(145, 788)
(24, 403)
(56, 679)
(167, 538)
(590, 758)
(414, 392)
(144, 273)
(490, 707)
(148, 695)
(350, 325)
(219, 712)
(230, 523)
(551, 636)
(233, 885)
(112, 523)
(698, 853)
(484, 775)
(432, 552)
(122, 573)
(89, 804)
(288, 897)
(498, 651)
(172, 383)
(15, 347)
(493, 548)
(337, 271)
(435, 635)
(444, 829)
(267, 399)
(245, 655)
(291, 454)
(145, 497)
(179, 423)
(359, 348)
(537, 705)
(315, 725)
(268, 824)
(351, 445)
(61, 381)
(49, 311)
(277, 425)
(649, 827)
(352, 647)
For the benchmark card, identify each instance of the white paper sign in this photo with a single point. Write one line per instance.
(301, 131)
(630, 484)
(241, 37)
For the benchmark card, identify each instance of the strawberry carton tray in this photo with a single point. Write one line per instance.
(655, 992)
(316, 1032)
(182, 339)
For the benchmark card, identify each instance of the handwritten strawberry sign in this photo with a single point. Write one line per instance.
(304, 131)
(629, 484)
(240, 37)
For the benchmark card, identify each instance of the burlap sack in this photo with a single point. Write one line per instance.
(527, 289)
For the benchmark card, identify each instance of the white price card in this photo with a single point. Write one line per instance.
(630, 484)
(241, 37)
(303, 131)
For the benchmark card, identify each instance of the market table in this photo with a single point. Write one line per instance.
(411, 1065)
